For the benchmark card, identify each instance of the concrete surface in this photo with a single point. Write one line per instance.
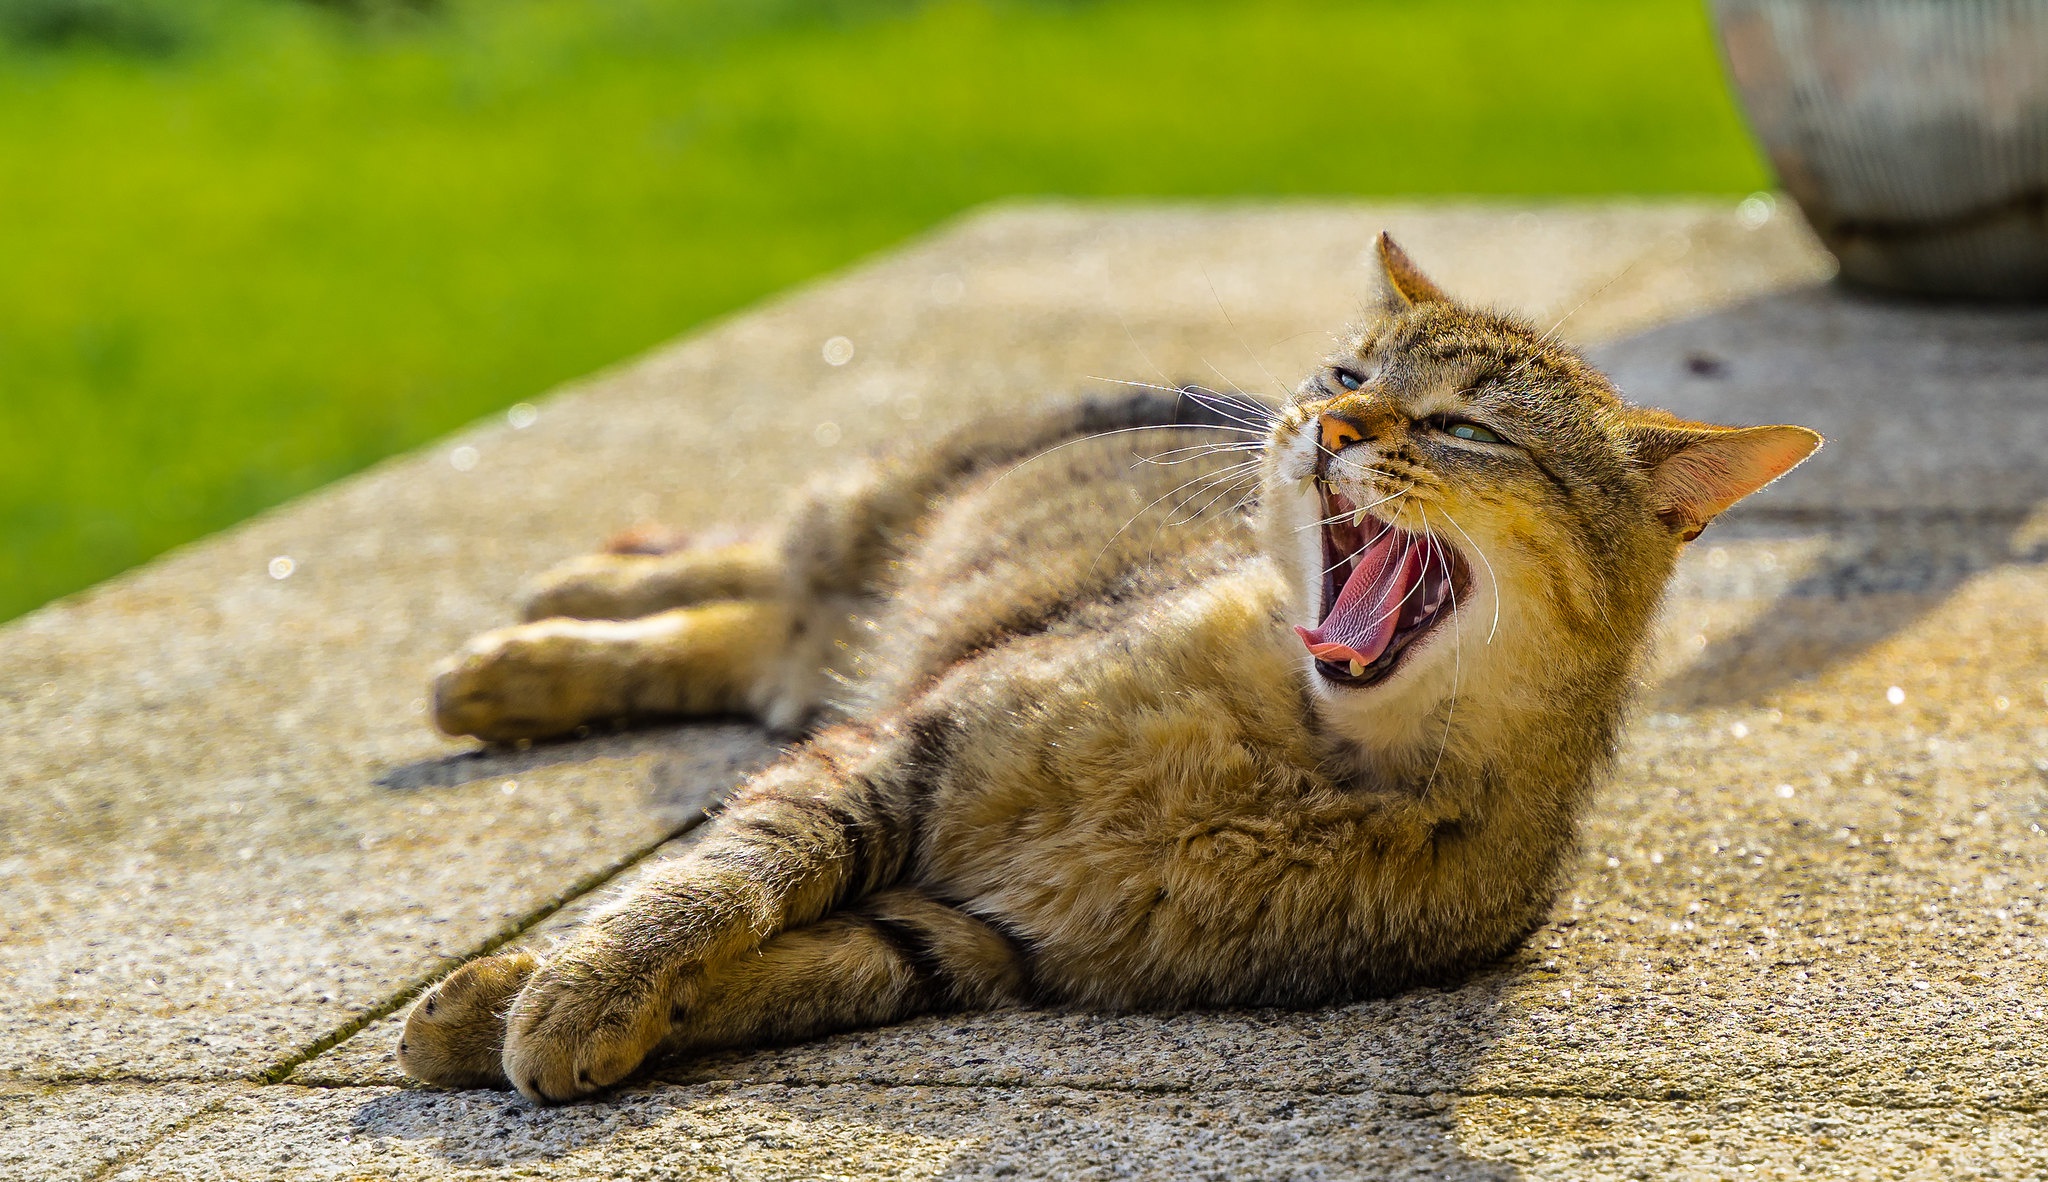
(1805, 937)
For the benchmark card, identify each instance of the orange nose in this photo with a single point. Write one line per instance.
(1339, 432)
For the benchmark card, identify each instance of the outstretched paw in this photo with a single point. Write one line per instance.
(455, 1035)
(583, 1022)
(524, 682)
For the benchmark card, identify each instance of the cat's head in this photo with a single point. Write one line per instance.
(1473, 523)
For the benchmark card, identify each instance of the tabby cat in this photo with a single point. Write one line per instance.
(1117, 706)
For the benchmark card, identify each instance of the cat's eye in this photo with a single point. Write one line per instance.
(1461, 429)
(1348, 379)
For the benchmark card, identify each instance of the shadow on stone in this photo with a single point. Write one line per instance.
(1935, 424)
(1362, 1090)
(688, 756)
(1875, 576)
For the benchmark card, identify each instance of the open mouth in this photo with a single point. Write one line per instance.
(1384, 588)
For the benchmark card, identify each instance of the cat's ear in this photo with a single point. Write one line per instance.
(1698, 470)
(1404, 285)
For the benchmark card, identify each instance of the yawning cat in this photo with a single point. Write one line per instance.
(1118, 705)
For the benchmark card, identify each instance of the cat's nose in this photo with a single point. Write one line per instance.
(1337, 432)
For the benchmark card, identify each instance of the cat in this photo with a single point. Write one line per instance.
(1113, 705)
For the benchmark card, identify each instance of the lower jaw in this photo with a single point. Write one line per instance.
(1376, 673)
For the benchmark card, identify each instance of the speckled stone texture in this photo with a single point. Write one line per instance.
(1804, 939)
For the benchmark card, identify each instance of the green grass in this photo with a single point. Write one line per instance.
(270, 243)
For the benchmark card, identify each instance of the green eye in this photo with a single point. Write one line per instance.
(1473, 432)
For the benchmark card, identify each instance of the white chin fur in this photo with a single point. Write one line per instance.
(1401, 714)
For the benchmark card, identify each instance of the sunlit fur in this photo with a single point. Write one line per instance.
(1064, 746)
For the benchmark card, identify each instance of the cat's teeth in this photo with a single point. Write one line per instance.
(1358, 519)
(1357, 667)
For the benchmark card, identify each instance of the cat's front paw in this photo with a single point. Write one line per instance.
(532, 681)
(455, 1035)
(583, 1022)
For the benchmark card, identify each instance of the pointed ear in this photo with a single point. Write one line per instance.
(1406, 285)
(1698, 470)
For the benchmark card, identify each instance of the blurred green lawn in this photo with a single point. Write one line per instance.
(240, 266)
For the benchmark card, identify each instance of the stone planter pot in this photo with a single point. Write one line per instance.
(1912, 133)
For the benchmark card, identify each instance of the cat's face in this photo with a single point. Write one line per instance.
(1470, 518)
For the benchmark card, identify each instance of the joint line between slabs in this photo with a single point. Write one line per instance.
(2016, 1108)
(109, 1166)
(277, 1072)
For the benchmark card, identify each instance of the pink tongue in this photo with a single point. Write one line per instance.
(1361, 622)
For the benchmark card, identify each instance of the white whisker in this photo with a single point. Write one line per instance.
(1457, 660)
(1233, 396)
(1401, 492)
(1105, 435)
(1241, 342)
(1245, 404)
(1198, 451)
(1486, 562)
(1224, 491)
(1550, 334)
(1196, 479)
(1142, 355)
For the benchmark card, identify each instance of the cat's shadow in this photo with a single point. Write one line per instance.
(1364, 1090)
(508, 761)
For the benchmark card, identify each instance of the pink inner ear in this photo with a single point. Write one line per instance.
(1714, 471)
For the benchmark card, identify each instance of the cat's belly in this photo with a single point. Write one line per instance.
(1143, 811)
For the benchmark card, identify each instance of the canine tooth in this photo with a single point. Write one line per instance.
(1357, 667)
(1358, 519)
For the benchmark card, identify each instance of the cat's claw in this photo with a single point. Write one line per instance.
(455, 1035)
(583, 1023)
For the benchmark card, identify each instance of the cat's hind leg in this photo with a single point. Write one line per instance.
(547, 678)
(828, 825)
(634, 578)
(894, 955)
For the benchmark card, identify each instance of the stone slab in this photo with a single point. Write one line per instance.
(233, 934)
(72, 1132)
(859, 1132)
(368, 1056)
(1806, 927)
